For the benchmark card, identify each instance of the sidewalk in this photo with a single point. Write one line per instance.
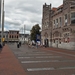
(60, 50)
(9, 65)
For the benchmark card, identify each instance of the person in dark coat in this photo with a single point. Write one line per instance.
(18, 45)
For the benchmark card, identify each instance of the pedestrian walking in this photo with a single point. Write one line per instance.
(28, 43)
(36, 44)
(18, 45)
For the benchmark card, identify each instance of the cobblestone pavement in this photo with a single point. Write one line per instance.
(45, 61)
(9, 65)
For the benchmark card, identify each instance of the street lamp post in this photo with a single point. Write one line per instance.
(2, 32)
(50, 24)
(24, 34)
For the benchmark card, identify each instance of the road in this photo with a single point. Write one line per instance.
(44, 62)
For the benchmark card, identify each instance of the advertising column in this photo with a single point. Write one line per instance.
(1, 19)
(0, 22)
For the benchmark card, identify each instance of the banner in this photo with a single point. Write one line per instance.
(38, 39)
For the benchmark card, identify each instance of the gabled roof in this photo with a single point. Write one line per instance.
(14, 30)
(60, 6)
(54, 9)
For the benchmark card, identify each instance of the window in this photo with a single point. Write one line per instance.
(17, 32)
(59, 41)
(66, 35)
(12, 32)
(56, 23)
(47, 24)
(72, 5)
(17, 37)
(60, 21)
(12, 36)
(54, 40)
(73, 18)
(65, 19)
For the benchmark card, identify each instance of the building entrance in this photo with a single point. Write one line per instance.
(56, 42)
(46, 42)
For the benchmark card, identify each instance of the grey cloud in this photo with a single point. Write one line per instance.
(10, 21)
(27, 12)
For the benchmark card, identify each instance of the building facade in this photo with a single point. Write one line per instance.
(45, 34)
(13, 36)
(23, 38)
(58, 25)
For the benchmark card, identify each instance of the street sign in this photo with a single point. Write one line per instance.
(38, 39)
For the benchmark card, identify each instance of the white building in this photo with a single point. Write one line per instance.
(23, 38)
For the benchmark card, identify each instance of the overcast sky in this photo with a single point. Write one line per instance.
(25, 12)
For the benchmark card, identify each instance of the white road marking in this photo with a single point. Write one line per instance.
(38, 52)
(39, 61)
(63, 53)
(39, 69)
(30, 53)
(40, 57)
(34, 54)
(51, 68)
(25, 57)
(47, 61)
(49, 57)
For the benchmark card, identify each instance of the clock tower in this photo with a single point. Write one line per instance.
(65, 4)
(68, 1)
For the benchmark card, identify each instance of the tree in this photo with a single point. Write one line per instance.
(34, 31)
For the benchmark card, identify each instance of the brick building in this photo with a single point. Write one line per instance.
(58, 25)
(45, 34)
(13, 36)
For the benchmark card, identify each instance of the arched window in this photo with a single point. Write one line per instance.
(12, 36)
(17, 37)
(73, 18)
